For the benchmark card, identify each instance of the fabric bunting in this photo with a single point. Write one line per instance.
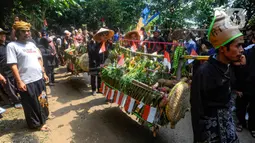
(102, 49)
(45, 24)
(121, 61)
(129, 105)
(112, 94)
(108, 94)
(127, 102)
(120, 98)
(149, 113)
(133, 47)
(167, 60)
(102, 88)
(123, 101)
(193, 53)
(140, 106)
(106, 91)
(117, 97)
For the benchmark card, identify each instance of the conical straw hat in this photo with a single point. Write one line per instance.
(109, 33)
(129, 35)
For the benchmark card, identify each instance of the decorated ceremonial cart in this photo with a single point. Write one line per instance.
(148, 85)
(77, 59)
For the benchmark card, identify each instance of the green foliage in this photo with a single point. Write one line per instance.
(34, 11)
(116, 13)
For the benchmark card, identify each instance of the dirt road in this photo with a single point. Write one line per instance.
(78, 117)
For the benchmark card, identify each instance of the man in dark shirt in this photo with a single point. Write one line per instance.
(98, 51)
(245, 101)
(156, 47)
(8, 83)
(211, 98)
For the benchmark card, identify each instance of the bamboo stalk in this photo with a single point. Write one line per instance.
(154, 71)
(140, 53)
(144, 86)
(196, 57)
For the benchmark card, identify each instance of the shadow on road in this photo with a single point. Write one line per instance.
(66, 110)
(111, 125)
(74, 87)
(97, 121)
(12, 126)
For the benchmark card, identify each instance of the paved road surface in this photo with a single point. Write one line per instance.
(78, 117)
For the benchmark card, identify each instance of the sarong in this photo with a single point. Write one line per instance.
(219, 129)
(35, 104)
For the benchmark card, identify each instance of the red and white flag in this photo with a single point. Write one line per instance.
(193, 53)
(140, 106)
(124, 99)
(121, 61)
(112, 94)
(106, 91)
(133, 47)
(129, 105)
(102, 88)
(45, 23)
(149, 113)
(117, 97)
(120, 98)
(127, 102)
(108, 94)
(167, 60)
(102, 49)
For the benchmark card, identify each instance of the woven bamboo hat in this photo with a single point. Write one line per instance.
(109, 33)
(220, 33)
(129, 35)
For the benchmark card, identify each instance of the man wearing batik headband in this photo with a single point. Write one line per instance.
(26, 64)
(211, 97)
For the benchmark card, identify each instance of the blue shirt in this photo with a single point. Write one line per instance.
(116, 37)
(191, 45)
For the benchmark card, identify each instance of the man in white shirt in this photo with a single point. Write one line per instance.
(26, 64)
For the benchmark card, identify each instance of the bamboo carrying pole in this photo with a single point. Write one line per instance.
(162, 56)
(140, 53)
(205, 58)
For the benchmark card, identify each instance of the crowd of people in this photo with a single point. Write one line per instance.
(27, 64)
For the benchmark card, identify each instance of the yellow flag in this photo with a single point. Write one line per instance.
(139, 24)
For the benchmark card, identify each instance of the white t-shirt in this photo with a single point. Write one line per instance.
(26, 57)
